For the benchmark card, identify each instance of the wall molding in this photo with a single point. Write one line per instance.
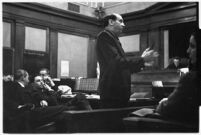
(153, 10)
(159, 15)
(56, 12)
(57, 19)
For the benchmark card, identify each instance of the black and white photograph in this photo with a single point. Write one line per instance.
(100, 67)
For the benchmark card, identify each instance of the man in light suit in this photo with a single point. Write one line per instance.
(115, 67)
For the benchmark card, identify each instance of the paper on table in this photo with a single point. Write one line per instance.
(143, 112)
(157, 84)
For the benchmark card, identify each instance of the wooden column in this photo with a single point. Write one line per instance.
(19, 44)
(91, 58)
(53, 52)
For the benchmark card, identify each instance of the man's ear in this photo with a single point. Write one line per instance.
(22, 78)
(111, 22)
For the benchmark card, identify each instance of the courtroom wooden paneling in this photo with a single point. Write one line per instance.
(19, 44)
(33, 61)
(146, 77)
(157, 125)
(53, 52)
(52, 17)
(157, 17)
(154, 43)
(142, 81)
(149, 23)
(8, 61)
(54, 20)
(98, 120)
(92, 58)
(149, 19)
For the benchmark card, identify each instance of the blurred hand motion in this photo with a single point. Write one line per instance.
(43, 103)
(149, 56)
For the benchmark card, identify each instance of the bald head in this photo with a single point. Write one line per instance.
(114, 23)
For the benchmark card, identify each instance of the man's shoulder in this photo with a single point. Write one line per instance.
(191, 74)
(16, 84)
(32, 87)
(103, 33)
(189, 77)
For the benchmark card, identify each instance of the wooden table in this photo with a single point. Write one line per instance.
(94, 101)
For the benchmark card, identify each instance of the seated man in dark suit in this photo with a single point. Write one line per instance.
(18, 101)
(177, 63)
(20, 112)
(174, 63)
(42, 94)
(14, 102)
(45, 74)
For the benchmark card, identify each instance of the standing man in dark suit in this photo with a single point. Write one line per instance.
(115, 67)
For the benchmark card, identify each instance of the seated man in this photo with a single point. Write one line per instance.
(174, 63)
(42, 94)
(14, 103)
(44, 73)
(18, 101)
(7, 78)
(178, 63)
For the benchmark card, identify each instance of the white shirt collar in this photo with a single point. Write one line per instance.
(21, 84)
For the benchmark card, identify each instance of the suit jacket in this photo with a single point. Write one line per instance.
(39, 94)
(15, 95)
(182, 103)
(17, 120)
(172, 66)
(115, 67)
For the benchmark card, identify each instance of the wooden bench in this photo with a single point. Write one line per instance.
(98, 120)
(147, 125)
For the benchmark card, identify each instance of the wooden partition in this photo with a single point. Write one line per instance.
(35, 24)
(8, 61)
(149, 24)
(158, 125)
(98, 120)
(142, 81)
